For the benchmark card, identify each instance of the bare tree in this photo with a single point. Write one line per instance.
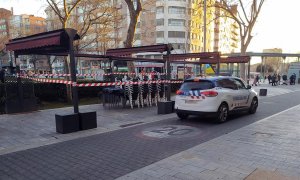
(245, 15)
(3, 41)
(63, 10)
(134, 12)
(50, 61)
(33, 60)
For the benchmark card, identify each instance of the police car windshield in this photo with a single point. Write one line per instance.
(197, 85)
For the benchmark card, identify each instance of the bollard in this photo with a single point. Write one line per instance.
(262, 92)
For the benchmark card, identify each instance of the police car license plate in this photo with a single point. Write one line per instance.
(191, 101)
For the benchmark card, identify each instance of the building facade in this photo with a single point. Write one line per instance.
(5, 16)
(277, 63)
(226, 32)
(26, 25)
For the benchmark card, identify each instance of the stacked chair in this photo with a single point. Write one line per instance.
(141, 94)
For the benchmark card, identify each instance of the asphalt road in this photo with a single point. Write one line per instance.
(114, 154)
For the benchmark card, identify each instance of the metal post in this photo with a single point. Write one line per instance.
(204, 32)
(168, 69)
(261, 64)
(264, 64)
(218, 66)
(204, 26)
(71, 34)
(248, 79)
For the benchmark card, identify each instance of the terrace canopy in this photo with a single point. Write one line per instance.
(207, 58)
(49, 43)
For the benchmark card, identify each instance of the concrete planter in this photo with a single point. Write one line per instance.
(263, 92)
(165, 107)
(87, 120)
(67, 123)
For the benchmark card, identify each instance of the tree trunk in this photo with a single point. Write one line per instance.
(134, 14)
(243, 65)
(68, 86)
(49, 63)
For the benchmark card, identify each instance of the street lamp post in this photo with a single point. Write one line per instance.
(204, 32)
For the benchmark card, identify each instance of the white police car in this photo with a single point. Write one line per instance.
(218, 95)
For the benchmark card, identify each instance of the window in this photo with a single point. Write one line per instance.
(176, 22)
(202, 85)
(176, 34)
(240, 84)
(176, 10)
(160, 34)
(160, 10)
(178, 45)
(227, 83)
(160, 22)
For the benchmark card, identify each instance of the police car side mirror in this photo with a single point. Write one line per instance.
(248, 87)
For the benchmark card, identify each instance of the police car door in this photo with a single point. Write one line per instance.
(230, 91)
(243, 93)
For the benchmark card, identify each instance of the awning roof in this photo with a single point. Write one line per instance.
(43, 43)
(237, 59)
(203, 55)
(134, 50)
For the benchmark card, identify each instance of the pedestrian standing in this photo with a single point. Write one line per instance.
(270, 78)
(274, 80)
(257, 79)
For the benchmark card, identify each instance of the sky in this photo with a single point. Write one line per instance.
(278, 25)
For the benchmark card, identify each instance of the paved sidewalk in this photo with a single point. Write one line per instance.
(34, 129)
(267, 149)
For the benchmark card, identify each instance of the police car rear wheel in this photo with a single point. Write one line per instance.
(222, 113)
(182, 115)
(254, 105)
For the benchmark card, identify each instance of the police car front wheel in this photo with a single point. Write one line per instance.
(253, 106)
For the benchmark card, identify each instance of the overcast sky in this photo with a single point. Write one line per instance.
(278, 25)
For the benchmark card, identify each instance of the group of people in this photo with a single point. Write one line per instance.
(275, 79)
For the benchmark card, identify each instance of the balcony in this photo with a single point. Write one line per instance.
(234, 45)
(235, 25)
(234, 32)
(235, 38)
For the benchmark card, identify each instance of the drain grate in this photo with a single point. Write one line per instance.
(130, 124)
(262, 134)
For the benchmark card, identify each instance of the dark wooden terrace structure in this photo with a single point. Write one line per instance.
(49, 43)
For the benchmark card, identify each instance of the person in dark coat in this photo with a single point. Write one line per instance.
(274, 80)
(284, 79)
(2, 75)
(270, 78)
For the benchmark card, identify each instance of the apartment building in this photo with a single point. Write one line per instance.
(5, 16)
(226, 32)
(26, 25)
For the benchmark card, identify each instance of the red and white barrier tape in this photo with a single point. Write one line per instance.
(124, 83)
(51, 81)
(105, 74)
(101, 84)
